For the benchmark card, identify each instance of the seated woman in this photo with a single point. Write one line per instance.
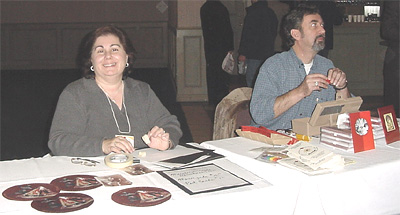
(96, 113)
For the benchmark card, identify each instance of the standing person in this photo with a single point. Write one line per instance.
(95, 110)
(331, 16)
(218, 41)
(291, 83)
(391, 73)
(258, 38)
(281, 9)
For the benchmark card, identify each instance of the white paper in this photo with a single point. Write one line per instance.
(154, 155)
(204, 178)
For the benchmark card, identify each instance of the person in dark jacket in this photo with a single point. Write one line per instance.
(218, 41)
(391, 73)
(258, 38)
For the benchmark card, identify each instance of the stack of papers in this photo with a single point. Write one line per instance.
(312, 159)
(377, 130)
(340, 136)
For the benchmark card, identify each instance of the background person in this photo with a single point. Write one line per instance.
(391, 72)
(106, 102)
(218, 41)
(258, 38)
(291, 83)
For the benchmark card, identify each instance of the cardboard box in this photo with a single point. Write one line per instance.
(275, 139)
(325, 114)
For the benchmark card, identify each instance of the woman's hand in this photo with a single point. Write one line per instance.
(117, 145)
(159, 139)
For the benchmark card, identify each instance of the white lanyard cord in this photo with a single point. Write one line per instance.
(113, 113)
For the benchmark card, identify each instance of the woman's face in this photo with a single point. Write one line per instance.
(108, 57)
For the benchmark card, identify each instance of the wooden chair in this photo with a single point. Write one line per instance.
(232, 112)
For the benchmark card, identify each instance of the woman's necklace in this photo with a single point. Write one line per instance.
(113, 113)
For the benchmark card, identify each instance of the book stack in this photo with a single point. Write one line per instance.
(340, 136)
(377, 130)
(311, 159)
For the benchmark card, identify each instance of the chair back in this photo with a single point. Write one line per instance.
(232, 112)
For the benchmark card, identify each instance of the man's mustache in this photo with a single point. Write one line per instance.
(321, 35)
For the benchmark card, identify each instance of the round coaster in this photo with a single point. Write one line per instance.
(76, 182)
(29, 192)
(64, 202)
(141, 196)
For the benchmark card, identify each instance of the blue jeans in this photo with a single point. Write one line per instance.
(252, 71)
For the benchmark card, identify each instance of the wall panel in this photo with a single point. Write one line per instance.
(55, 46)
(191, 66)
(357, 51)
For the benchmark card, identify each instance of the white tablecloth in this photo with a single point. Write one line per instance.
(369, 186)
(44, 170)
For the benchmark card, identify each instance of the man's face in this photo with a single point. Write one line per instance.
(312, 32)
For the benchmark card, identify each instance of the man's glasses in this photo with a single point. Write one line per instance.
(83, 161)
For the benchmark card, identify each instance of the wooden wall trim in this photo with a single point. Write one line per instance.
(191, 66)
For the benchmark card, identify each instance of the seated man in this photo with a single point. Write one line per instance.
(290, 84)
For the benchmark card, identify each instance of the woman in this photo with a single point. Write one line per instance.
(93, 112)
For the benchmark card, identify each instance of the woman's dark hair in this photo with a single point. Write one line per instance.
(86, 48)
(293, 20)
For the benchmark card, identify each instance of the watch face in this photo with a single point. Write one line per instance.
(361, 126)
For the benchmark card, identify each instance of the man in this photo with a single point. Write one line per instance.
(391, 72)
(218, 41)
(291, 83)
(258, 37)
(281, 9)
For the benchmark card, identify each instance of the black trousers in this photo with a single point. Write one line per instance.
(217, 79)
(391, 78)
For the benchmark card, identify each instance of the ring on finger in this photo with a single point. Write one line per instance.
(316, 83)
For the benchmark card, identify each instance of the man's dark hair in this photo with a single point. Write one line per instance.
(294, 19)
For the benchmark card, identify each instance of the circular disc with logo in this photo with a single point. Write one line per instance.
(141, 196)
(64, 202)
(29, 192)
(76, 182)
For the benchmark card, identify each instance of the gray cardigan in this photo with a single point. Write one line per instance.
(83, 118)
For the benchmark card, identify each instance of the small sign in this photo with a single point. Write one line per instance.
(389, 124)
(361, 129)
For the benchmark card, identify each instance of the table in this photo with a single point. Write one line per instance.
(368, 186)
(45, 169)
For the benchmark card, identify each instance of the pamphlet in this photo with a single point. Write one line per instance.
(203, 178)
(311, 155)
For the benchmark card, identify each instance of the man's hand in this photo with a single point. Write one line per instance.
(313, 82)
(337, 78)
